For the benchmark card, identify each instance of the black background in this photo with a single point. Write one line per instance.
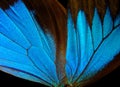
(112, 79)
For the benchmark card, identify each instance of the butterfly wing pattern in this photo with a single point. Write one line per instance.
(90, 49)
(24, 47)
(27, 52)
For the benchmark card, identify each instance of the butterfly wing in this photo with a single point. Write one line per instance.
(91, 48)
(107, 49)
(23, 46)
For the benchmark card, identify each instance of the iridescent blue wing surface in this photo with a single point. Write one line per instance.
(40, 48)
(25, 50)
(90, 47)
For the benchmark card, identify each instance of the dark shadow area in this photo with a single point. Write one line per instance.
(110, 80)
(64, 2)
(12, 81)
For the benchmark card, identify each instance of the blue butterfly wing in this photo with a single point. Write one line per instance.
(79, 45)
(28, 52)
(107, 49)
(23, 46)
(71, 48)
(90, 49)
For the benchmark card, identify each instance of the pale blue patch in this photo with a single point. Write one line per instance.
(81, 33)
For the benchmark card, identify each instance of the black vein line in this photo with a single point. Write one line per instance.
(40, 35)
(29, 42)
(27, 48)
(78, 52)
(42, 44)
(13, 42)
(114, 28)
(18, 29)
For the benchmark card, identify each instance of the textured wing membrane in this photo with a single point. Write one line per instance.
(28, 52)
(24, 47)
(96, 46)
